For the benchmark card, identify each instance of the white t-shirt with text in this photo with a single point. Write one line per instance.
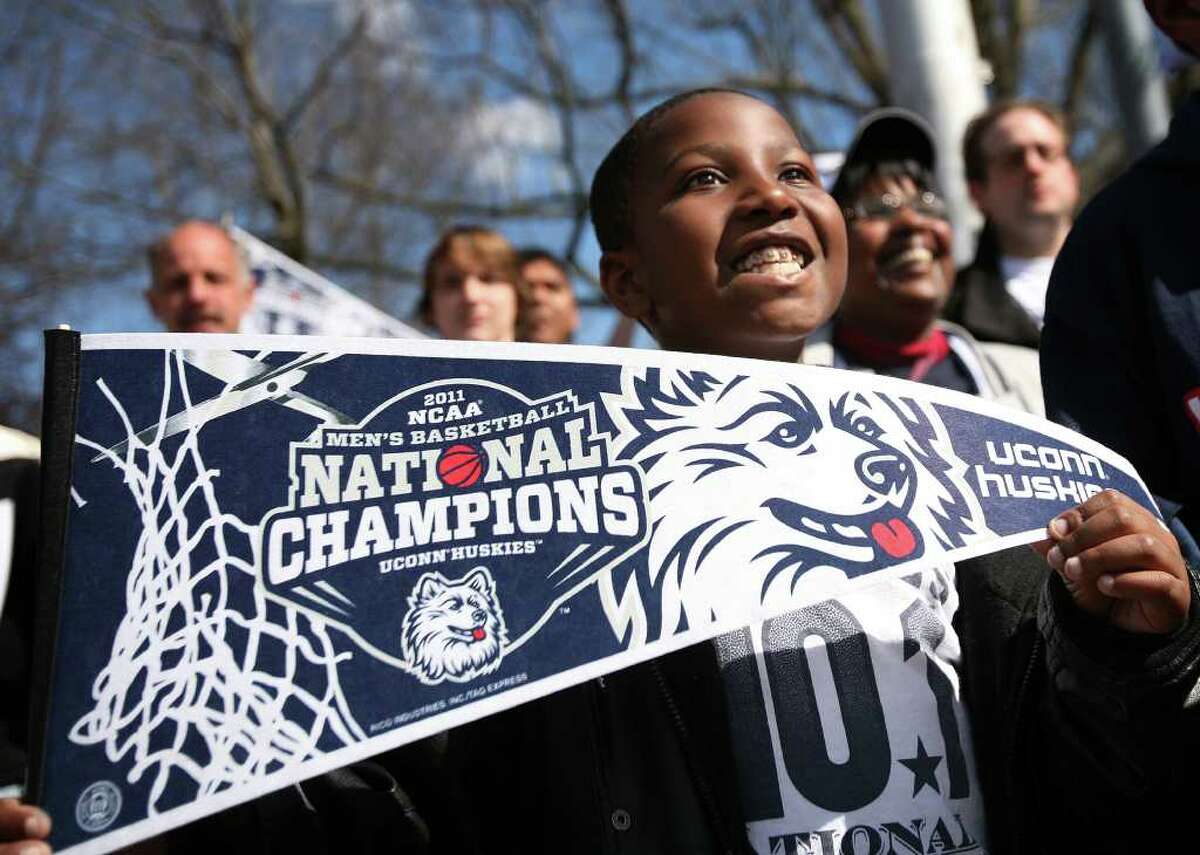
(848, 725)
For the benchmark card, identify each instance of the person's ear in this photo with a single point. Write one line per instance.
(622, 286)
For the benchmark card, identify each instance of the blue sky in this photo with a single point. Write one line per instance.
(673, 55)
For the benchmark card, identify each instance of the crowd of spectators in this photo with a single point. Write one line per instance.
(1076, 667)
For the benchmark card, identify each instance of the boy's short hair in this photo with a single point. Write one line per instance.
(974, 159)
(481, 245)
(613, 182)
(889, 143)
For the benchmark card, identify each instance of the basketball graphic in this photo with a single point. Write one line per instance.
(460, 465)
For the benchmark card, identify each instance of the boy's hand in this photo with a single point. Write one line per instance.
(1120, 563)
(22, 828)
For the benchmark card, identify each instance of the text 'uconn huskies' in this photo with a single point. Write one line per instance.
(1057, 486)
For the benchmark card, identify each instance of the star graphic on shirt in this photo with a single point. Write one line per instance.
(923, 767)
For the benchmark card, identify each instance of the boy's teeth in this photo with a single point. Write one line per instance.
(779, 260)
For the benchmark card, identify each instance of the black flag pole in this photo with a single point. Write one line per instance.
(60, 397)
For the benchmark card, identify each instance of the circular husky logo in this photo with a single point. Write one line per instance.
(98, 806)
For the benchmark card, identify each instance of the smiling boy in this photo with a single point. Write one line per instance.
(865, 748)
(718, 246)
(717, 237)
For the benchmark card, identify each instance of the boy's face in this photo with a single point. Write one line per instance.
(736, 250)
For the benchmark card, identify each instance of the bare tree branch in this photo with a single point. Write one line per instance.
(622, 30)
(1077, 69)
(274, 155)
(98, 196)
(564, 94)
(1019, 12)
(1001, 37)
(796, 88)
(202, 78)
(846, 22)
(348, 151)
(320, 79)
(550, 206)
(48, 132)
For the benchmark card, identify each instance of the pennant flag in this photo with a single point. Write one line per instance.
(290, 299)
(274, 556)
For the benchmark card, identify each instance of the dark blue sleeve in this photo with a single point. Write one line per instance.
(1097, 360)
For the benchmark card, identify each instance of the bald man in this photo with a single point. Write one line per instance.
(198, 280)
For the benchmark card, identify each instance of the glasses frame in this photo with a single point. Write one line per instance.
(888, 206)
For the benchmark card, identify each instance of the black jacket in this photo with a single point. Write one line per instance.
(18, 484)
(1076, 752)
(982, 304)
(1121, 351)
(1086, 737)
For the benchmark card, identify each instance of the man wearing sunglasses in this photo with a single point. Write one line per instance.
(1021, 178)
(901, 271)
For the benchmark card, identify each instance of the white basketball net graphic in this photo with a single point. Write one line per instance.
(207, 682)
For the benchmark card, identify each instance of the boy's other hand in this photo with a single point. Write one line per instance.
(1120, 563)
(22, 829)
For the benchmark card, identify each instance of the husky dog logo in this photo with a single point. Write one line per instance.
(454, 628)
(757, 490)
(444, 476)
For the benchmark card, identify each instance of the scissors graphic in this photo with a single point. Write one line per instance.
(249, 381)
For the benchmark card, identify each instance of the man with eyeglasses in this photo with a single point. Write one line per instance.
(901, 271)
(1021, 178)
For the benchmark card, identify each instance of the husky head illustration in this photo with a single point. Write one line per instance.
(454, 628)
(784, 486)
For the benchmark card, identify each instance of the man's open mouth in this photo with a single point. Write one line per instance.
(886, 529)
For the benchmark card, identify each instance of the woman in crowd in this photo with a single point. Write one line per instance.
(472, 285)
(900, 273)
